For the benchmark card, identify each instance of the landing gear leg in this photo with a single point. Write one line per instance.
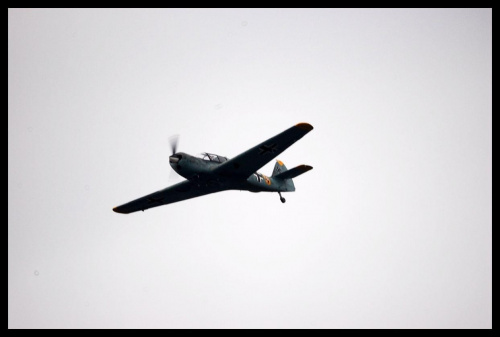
(283, 200)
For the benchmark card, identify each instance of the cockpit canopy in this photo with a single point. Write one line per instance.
(213, 157)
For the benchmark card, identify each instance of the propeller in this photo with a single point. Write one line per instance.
(174, 141)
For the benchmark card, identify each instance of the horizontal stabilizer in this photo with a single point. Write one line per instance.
(296, 171)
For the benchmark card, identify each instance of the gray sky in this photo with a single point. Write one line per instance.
(392, 228)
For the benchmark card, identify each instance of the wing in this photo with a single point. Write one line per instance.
(178, 192)
(253, 159)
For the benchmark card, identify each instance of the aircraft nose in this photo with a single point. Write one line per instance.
(174, 159)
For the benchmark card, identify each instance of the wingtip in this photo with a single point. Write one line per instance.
(116, 210)
(305, 168)
(304, 126)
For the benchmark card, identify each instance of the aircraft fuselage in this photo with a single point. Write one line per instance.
(201, 172)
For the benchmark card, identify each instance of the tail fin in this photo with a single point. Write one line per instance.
(281, 173)
(279, 167)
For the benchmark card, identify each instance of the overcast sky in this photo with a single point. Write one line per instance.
(391, 229)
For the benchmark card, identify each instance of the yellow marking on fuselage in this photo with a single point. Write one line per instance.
(268, 181)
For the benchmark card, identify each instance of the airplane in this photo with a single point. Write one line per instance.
(213, 173)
